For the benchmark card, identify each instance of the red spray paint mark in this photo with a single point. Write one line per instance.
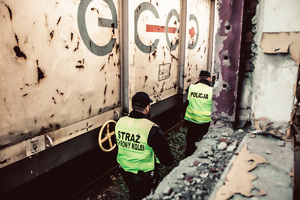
(162, 29)
(159, 29)
(192, 32)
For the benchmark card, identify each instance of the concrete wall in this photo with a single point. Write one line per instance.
(275, 75)
(270, 91)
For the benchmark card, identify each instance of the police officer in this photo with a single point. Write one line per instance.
(141, 145)
(198, 112)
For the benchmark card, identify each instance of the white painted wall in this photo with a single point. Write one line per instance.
(275, 75)
(280, 16)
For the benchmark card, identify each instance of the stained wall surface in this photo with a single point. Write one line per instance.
(55, 69)
(155, 48)
(68, 67)
(275, 74)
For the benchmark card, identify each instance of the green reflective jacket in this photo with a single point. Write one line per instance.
(199, 108)
(133, 151)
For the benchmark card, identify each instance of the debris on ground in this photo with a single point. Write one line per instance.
(267, 165)
(202, 175)
(198, 174)
(239, 179)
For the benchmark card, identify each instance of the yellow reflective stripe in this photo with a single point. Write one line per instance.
(198, 112)
(131, 159)
(129, 167)
(196, 118)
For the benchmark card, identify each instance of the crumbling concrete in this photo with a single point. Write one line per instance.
(274, 75)
(239, 179)
(201, 175)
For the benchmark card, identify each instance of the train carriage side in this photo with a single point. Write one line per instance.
(59, 80)
(168, 47)
(67, 67)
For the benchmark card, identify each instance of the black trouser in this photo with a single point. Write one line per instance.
(195, 133)
(139, 185)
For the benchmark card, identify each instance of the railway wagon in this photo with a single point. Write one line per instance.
(67, 67)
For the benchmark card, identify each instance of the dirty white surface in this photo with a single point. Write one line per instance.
(154, 48)
(280, 17)
(48, 77)
(153, 66)
(275, 75)
(197, 39)
(60, 70)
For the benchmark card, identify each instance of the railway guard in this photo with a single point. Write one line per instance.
(141, 146)
(198, 112)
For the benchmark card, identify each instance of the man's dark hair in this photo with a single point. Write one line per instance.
(203, 77)
(138, 108)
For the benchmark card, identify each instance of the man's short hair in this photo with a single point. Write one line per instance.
(138, 108)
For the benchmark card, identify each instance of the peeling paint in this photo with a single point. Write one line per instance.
(54, 101)
(60, 93)
(227, 65)
(117, 48)
(40, 73)
(17, 39)
(79, 66)
(10, 12)
(77, 47)
(282, 42)
(110, 55)
(58, 20)
(105, 90)
(174, 57)
(239, 179)
(102, 68)
(90, 110)
(19, 53)
(51, 34)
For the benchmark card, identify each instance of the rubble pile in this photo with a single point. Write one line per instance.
(202, 175)
(197, 175)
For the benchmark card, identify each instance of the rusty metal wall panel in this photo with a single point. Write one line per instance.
(197, 39)
(153, 47)
(59, 64)
(227, 58)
